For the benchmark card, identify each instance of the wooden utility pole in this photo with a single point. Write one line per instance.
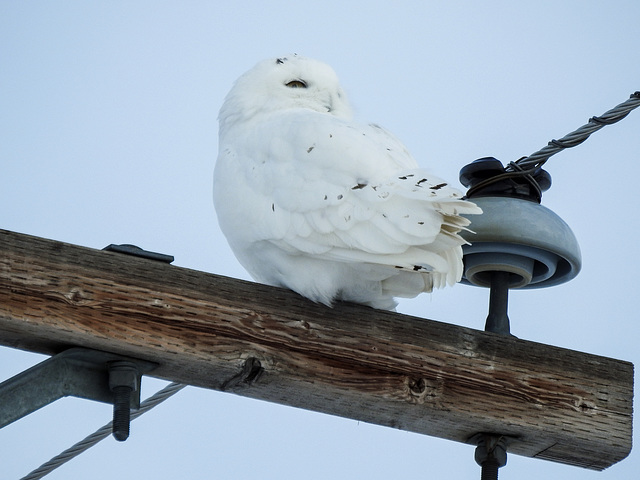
(352, 361)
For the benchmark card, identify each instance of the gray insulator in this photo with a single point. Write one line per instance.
(529, 241)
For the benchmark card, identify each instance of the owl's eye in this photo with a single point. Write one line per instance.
(296, 84)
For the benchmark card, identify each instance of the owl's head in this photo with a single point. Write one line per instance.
(283, 83)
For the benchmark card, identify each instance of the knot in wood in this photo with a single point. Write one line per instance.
(419, 389)
(252, 370)
(77, 296)
(585, 406)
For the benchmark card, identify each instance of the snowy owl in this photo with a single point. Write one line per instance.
(315, 202)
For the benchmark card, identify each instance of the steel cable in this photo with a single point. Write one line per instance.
(101, 433)
(537, 159)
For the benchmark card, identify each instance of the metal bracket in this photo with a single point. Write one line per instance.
(136, 251)
(78, 372)
(84, 373)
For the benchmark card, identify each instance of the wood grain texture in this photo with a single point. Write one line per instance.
(379, 367)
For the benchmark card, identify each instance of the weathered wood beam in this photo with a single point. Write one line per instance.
(384, 368)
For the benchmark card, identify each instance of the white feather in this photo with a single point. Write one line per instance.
(332, 209)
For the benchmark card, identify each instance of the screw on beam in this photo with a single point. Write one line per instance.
(123, 381)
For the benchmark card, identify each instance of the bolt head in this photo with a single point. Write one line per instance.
(491, 447)
(123, 374)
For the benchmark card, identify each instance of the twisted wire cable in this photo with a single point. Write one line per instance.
(101, 433)
(537, 159)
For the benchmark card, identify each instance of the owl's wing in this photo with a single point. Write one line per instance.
(341, 191)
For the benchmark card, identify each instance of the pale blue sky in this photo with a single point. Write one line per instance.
(109, 135)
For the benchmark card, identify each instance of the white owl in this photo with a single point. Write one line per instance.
(315, 202)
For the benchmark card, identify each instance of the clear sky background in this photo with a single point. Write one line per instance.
(108, 134)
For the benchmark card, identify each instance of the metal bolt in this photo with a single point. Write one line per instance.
(123, 381)
(491, 454)
(498, 319)
(489, 470)
(121, 413)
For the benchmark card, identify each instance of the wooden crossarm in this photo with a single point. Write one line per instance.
(268, 343)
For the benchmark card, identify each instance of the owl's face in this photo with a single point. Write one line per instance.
(283, 83)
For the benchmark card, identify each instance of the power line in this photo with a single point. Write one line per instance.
(101, 433)
(478, 179)
(537, 159)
